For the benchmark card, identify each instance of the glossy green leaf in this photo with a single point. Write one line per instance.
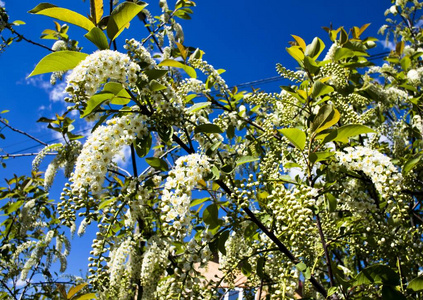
(75, 289)
(155, 74)
(89, 296)
(96, 10)
(320, 156)
(246, 159)
(176, 64)
(326, 117)
(296, 136)
(157, 163)
(196, 202)
(223, 237)
(347, 131)
(410, 164)
(95, 101)
(211, 216)
(380, 274)
(416, 284)
(321, 89)
(208, 128)
(342, 53)
(296, 53)
(155, 86)
(198, 106)
(315, 48)
(143, 145)
(121, 16)
(62, 14)
(98, 38)
(391, 293)
(58, 61)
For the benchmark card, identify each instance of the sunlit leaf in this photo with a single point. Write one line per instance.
(58, 61)
(62, 14)
(121, 16)
(296, 136)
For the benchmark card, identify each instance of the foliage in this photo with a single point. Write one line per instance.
(314, 192)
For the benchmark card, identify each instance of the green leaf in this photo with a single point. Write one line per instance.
(296, 53)
(320, 89)
(98, 38)
(246, 159)
(296, 136)
(143, 145)
(155, 74)
(223, 237)
(325, 115)
(176, 64)
(105, 203)
(347, 131)
(342, 53)
(378, 274)
(96, 9)
(208, 128)
(301, 266)
(89, 296)
(198, 106)
(410, 164)
(62, 14)
(331, 202)
(75, 289)
(95, 101)
(211, 216)
(246, 268)
(260, 266)
(416, 284)
(320, 156)
(121, 16)
(391, 293)
(155, 86)
(157, 163)
(199, 201)
(315, 48)
(58, 61)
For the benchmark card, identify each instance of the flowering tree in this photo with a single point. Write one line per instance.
(313, 192)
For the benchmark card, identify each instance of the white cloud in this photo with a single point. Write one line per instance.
(124, 157)
(55, 92)
(387, 45)
(2, 4)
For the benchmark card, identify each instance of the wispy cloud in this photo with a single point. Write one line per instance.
(55, 92)
(2, 3)
(387, 45)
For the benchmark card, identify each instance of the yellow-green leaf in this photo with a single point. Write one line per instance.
(330, 122)
(300, 42)
(96, 7)
(296, 53)
(89, 296)
(75, 289)
(176, 64)
(62, 14)
(296, 136)
(58, 61)
(98, 38)
(121, 16)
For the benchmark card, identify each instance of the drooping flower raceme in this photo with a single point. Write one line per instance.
(182, 179)
(101, 146)
(94, 70)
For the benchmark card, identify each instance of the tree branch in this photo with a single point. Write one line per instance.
(22, 132)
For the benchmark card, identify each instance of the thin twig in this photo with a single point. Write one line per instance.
(28, 40)
(22, 132)
(23, 154)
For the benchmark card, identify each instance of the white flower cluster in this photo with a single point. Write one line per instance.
(42, 154)
(192, 85)
(98, 151)
(375, 165)
(97, 68)
(176, 197)
(138, 53)
(330, 55)
(209, 70)
(415, 76)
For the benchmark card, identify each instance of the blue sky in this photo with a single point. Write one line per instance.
(245, 37)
